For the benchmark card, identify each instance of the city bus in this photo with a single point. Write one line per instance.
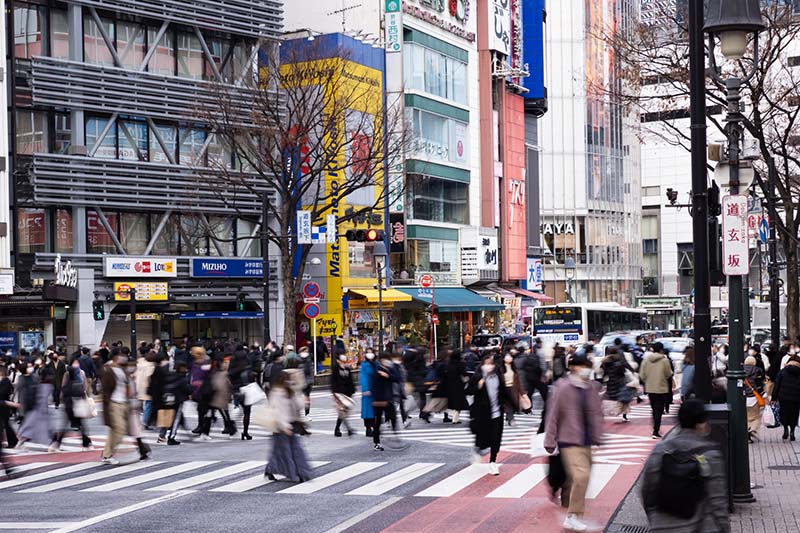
(575, 324)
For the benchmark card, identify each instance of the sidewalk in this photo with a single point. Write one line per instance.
(775, 476)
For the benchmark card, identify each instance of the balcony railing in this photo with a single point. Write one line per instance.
(85, 181)
(250, 18)
(105, 89)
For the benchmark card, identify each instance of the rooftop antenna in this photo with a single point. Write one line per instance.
(343, 13)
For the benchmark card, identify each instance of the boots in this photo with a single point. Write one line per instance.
(144, 449)
(785, 432)
(368, 425)
(337, 432)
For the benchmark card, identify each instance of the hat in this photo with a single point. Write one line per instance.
(579, 359)
(750, 360)
(289, 348)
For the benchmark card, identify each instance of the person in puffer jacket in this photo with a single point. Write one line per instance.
(787, 394)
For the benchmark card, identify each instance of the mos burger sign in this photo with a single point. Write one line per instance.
(140, 267)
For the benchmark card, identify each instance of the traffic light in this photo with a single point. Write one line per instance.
(364, 235)
(99, 310)
(241, 302)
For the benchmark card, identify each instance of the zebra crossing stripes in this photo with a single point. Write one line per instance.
(456, 482)
(45, 475)
(331, 479)
(520, 484)
(394, 480)
(255, 482)
(94, 476)
(149, 477)
(209, 476)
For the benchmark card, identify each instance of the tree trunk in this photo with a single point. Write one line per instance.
(289, 299)
(792, 288)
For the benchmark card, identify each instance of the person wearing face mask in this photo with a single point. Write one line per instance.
(56, 368)
(74, 388)
(491, 398)
(793, 350)
(307, 366)
(35, 395)
(656, 374)
(343, 388)
(513, 382)
(786, 393)
(575, 424)
(366, 377)
(668, 494)
(386, 375)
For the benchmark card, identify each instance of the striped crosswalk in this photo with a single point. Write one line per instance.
(367, 478)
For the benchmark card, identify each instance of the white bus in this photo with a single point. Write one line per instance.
(575, 324)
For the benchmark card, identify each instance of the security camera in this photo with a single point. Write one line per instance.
(672, 195)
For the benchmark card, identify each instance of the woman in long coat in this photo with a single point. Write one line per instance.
(365, 378)
(35, 395)
(491, 399)
(287, 457)
(456, 395)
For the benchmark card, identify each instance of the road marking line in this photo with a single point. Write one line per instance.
(210, 476)
(519, 485)
(94, 476)
(47, 475)
(15, 469)
(257, 481)
(337, 476)
(123, 511)
(152, 476)
(602, 451)
(599, 478)
(456, 482)
(395, 479)
(363, 516)
(34, 525)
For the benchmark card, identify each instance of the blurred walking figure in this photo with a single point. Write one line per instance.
(535, 377)
(787, 393)
(386, 375)
(56, 368)
(687, 373)
(221, 399)
(241, 374)
(287, 457)
(574, 425)
(75, 390)
(754, 391)
(656, 374)
(456, 376)
(343, 388)
(491, 399)
(615, 373)
(116, 385)
(513, 383)
(6, 405)
(307, 365)
(145, 366)
(683, 487)
(366, 377)
(34, 395)
(134, 412)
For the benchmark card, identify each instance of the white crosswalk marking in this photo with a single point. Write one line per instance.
(337, 476)
(152, 476)
(209, 476)
(456, 482)
(17, 469)
(395, 479)
(46, 475)
(520, 484)
(599, 478)
(257, 481)
(88, 478)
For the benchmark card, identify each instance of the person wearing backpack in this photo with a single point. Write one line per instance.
(684, 488)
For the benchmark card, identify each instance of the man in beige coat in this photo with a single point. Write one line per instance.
(656, 376)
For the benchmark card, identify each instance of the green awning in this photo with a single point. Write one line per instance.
(455, 299)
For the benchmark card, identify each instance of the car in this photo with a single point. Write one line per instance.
(484, 342)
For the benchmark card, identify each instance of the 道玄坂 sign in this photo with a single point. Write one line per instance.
(735, 242)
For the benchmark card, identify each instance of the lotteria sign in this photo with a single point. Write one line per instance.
(140, 267)
(212, 267)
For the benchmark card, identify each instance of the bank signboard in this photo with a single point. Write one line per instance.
(140, 267)
(212, 267)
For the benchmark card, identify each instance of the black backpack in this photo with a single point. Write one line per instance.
(682, 482)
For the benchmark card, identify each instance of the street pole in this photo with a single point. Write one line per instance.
(735, 374)
(133, 320)
(773, 271)
(746, 303)
(702, 284)
(380, 308)
(265, 260)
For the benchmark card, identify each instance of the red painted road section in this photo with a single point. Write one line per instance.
(470, 511)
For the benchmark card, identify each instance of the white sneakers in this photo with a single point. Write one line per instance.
(109, 461)
(494, 469)
(53, 448)
(572, 523)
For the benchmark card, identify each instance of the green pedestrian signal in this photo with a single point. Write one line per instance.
(99, 310)
(240, 302)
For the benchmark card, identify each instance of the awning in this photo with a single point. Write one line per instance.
(502, 291)
(455, 299)
(530, 294)
(389, 295)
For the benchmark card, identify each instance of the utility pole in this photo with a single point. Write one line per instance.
(773, 270)
(265, 266)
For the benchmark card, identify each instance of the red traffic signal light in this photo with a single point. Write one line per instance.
(361, 235)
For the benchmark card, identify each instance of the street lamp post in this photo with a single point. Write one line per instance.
(380, 255)
(265, 273)
(732, 21)
(569, 273)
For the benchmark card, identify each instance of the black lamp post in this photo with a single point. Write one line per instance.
(733, 22)
(380, 255)
(569, 272)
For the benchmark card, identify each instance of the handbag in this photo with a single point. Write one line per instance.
(165, 418)
(345, 402)
(252, 394)
(524, 403)
(80, 408)
(776, 412)
(92, 407)
(759, 399)
(556, 473)
(264, 416)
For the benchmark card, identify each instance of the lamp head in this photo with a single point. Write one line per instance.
(569, 268)
(731, 21)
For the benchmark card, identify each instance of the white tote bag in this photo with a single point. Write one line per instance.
(264, 416)
(253, 394)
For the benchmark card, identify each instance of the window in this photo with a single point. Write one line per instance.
(59, 34)
(651, 191)
(194, 235)
(33, 233)
(63, 231)
(439, 137)
(134, 232)
(63, 133)
(794, 61)
(245, 228)
(95, 50)
(222, 229)
(435, 73)
(650, 246)
(438, 200)
(191, 63)
(432, 256)
(167, 134)
(192, 141)
(131, 46)
(28, 32)
(167, 241)
(108, 147)
(361, 259)
(31, 132)
(133, 140)
(163, 60)
(98, 241)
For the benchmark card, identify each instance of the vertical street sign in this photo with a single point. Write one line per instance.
(393, 26)
(735, 243)
(303, 227)
(331, 228)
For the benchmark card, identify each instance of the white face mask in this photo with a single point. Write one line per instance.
(508, 359)
(487, 369)
(370, 356)
(342, 358)
(304, 355)
(205, 367)
(585, 373)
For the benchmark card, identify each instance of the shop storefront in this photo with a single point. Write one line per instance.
(664, 312)
(362, 317)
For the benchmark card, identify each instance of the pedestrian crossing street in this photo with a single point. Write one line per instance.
(368, 478)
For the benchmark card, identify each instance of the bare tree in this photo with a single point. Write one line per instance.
(655, 56)
(313, 135)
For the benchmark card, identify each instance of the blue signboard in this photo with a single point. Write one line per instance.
(192, 315)
(8, 342)
(533, 53)
(211, 267)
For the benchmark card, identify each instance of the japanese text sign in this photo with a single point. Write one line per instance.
(735, 242)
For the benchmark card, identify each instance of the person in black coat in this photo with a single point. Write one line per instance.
(787, 393)
(456, 395)
(416, 369)
(240, 374)
(491, 400)
(155, 389)
(386, 375)
(343, 388)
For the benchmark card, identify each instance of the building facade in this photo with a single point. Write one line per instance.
(107, 143)
(590, 173)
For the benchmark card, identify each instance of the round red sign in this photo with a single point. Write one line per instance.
(425, 281)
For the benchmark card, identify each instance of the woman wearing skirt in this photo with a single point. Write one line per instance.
(287, 457)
